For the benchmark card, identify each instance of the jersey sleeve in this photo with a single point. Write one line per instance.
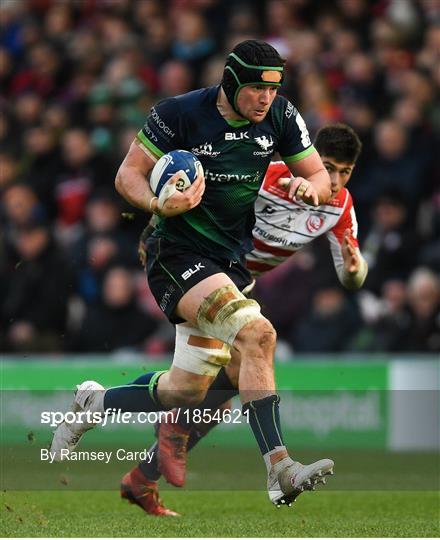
(161, 132)
(336, 234)
(295, 143)
(275, 171)
(346, 221)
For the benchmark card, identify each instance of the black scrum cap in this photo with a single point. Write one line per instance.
(251, 62)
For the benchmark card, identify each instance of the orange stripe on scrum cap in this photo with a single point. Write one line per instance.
(205, 343)
(271, 76)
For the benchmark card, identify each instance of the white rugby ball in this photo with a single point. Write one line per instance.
(169, 164)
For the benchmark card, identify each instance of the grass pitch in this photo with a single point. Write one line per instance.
(373, 494)
(222, 514)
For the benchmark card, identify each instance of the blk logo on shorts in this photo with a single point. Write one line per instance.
(188, 273)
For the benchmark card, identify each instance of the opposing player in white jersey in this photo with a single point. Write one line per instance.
(282, 227)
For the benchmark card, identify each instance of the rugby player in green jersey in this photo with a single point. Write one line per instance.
(196, 256)
(279, 220)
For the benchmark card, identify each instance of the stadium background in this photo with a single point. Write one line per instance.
(77, 80)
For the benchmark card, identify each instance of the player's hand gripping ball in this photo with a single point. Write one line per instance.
(182, 162)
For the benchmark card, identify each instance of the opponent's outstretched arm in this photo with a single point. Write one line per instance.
(354, 270)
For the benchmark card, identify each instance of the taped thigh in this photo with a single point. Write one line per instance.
(197, 352)
(225, 311)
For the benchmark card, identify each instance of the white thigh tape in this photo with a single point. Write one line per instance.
(198, 352)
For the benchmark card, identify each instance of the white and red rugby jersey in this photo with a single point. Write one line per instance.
(283, 226)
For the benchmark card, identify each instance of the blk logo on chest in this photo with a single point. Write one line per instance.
(188, 273)
(236, 136)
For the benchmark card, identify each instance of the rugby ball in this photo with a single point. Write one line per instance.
(175, 161)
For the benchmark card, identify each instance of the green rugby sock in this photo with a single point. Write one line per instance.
(138, 396)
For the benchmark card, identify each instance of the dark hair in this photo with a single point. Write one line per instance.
(338, 141)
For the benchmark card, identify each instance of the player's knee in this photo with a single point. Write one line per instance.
(178, 388)
(259, 336)
(225, 312)
(188, 397)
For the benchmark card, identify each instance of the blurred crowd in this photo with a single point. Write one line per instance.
(77, 80)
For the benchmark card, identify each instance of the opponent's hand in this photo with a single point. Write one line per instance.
(301, 189)
(352, 262)
(175, 202)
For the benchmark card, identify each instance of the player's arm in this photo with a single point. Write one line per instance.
(350, 265)
(311, 181)
(131, 182)
(355, 268)
(131, 178)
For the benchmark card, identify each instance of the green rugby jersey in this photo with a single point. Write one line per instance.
(234, 155)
